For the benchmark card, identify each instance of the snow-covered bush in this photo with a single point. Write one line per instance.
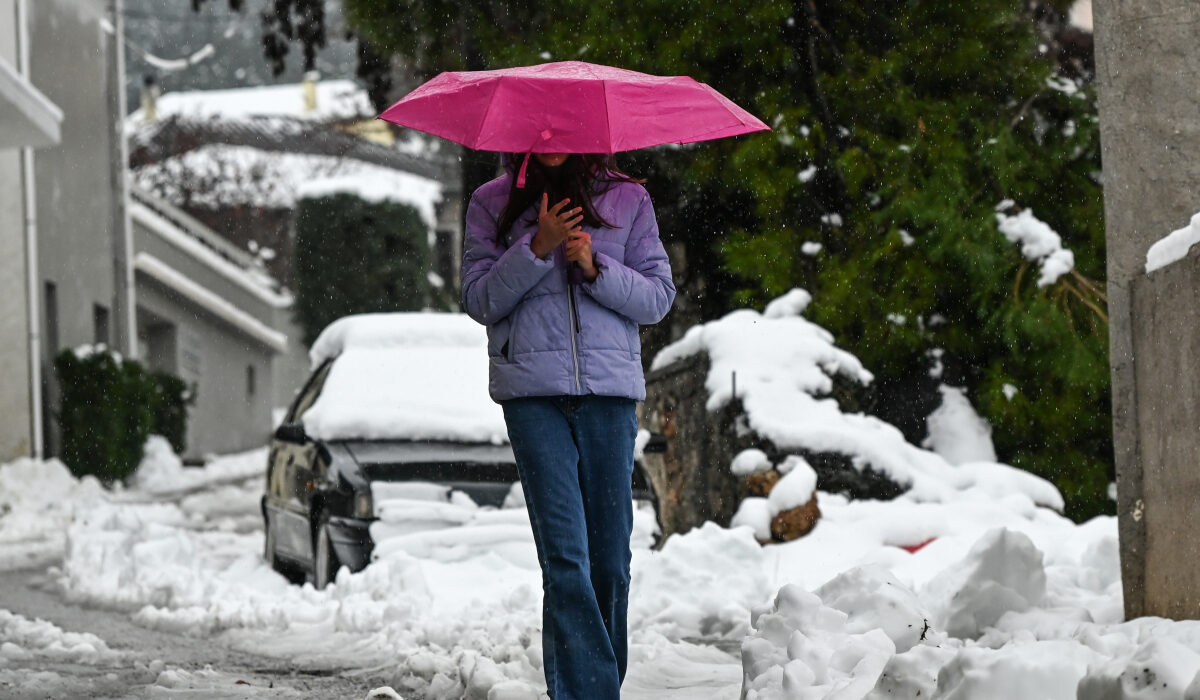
(109, 406)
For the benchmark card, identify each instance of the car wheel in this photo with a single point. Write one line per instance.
(325, 561)
(272, 558)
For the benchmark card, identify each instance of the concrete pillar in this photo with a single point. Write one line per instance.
(1146, 65)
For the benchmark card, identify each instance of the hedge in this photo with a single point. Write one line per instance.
(109, 406)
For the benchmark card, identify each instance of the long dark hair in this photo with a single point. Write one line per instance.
(581, 177)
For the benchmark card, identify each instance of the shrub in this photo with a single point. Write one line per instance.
(109, 406)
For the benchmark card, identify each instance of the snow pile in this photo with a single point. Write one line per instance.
(161, 471)
(1039, 243)
(36, 504)
(1174, 247)
(784, 367)
(218, 175)
(702, 584)
(23, 640)
(1002, 572)
(804, 647)
(957, 432)
(383, 386)
(868, 634)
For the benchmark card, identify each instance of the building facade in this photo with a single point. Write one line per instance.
(85, 260)
(29, 120)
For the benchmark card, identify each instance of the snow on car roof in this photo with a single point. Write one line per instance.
(405, 376)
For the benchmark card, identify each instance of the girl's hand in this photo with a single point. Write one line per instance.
(554, 225)
(579, 250)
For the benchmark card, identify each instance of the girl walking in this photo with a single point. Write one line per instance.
(562, 268)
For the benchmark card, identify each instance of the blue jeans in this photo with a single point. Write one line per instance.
(575, 458)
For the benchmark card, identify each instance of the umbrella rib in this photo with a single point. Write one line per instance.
(607, 115)
(487, 112)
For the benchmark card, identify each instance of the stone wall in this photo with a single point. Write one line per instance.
(692, 478)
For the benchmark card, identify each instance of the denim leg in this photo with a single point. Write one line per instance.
(605, 429)
(577, 649)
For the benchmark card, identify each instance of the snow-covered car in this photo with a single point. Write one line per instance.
(400, 397)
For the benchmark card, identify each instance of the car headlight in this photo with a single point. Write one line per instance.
(364, 505)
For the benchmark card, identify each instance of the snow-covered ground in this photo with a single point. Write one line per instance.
(969, 585)
(453, 610)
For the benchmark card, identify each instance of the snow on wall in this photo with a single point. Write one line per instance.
(414, 376)
(1174, 247)
(784, 367)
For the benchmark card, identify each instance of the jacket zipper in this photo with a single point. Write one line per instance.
(574, 314)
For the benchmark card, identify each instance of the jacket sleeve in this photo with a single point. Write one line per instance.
(639, 287)
(495, 279)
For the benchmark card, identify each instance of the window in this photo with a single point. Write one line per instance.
(250, 384)
(100, 325)
(308, 395)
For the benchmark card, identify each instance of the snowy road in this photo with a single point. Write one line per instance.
(160, 591)
(149, 664)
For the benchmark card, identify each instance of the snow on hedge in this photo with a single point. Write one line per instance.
(414, 376)
(219, 175)
(785, 365)
(335, 100)
(1173, 247)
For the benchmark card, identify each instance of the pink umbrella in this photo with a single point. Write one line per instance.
(569, 107)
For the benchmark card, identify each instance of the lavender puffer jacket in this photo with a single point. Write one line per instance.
(545, 338)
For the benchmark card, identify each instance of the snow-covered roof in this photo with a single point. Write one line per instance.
(405, 376)
(337, 100)
(219, 175)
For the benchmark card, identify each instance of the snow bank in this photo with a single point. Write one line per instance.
(877, 631)
(416, 376)
(161, 471)
(1039, 243)
(1174, 247)
(37, 500)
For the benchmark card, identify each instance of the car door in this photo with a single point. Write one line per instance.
(290, 478)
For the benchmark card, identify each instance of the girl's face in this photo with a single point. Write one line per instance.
(552, 160)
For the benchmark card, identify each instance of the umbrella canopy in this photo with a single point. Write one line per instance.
(569, 107)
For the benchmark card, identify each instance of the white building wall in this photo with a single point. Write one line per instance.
(77, 202)
(15, 420)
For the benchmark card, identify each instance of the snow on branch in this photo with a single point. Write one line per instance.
(1039, 243)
